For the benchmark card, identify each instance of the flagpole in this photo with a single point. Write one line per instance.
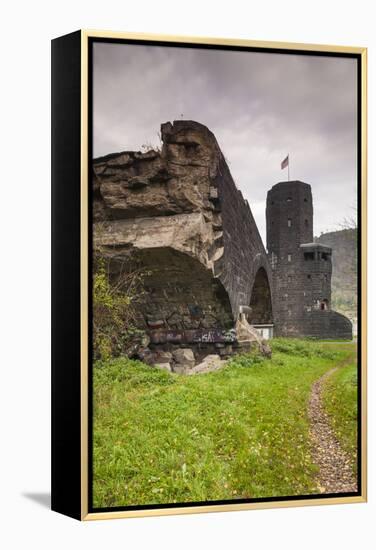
(288, 167)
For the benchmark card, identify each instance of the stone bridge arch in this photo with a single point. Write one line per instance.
(261, 300)
(181, 293)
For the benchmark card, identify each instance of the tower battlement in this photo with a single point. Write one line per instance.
(289, 217)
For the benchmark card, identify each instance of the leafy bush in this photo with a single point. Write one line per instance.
(114, 317)
(246, 359)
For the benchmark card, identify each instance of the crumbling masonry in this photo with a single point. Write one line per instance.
(178, 210)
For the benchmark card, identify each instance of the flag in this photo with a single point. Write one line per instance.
(285, 163)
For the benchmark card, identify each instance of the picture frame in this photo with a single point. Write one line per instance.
(73, 136)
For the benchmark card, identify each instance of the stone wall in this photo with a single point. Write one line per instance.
(326, 325)
(244, 255)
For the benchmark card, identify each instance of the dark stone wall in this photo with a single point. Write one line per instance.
(244, 254)
(326, 325)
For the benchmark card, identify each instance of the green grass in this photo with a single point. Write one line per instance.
(340, 401)
(240, 432)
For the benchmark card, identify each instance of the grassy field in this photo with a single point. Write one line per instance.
(241, 432)
(340, 401)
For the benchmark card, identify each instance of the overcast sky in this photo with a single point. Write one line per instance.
(260, 106)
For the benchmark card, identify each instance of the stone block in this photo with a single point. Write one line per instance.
(163, 357)
(209, 363)
(163, 366)
(184, 358)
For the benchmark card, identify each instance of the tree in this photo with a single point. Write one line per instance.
(350, 222)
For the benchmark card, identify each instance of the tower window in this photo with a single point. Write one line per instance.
(308, 276)
(309, 256)
(305, 200)
(289, 222)
(325, 256)
(306, 223)
(289, 257)
(289, 278)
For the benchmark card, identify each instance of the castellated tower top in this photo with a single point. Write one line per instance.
(289, 217)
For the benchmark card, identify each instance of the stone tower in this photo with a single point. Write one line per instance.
(289, 218)
(301, 268)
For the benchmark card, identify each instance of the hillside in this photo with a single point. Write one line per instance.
(344, 277)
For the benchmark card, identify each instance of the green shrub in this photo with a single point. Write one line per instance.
(303, 348)
(114, 318)
(247, 359)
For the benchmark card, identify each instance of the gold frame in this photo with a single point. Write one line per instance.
(85, 515)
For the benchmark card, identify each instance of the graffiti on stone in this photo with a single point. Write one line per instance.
(198, 336)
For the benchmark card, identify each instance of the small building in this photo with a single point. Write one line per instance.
(265, 331)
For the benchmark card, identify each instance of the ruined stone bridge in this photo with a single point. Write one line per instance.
(179, 211)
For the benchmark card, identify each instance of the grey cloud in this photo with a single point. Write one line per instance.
(260, 106)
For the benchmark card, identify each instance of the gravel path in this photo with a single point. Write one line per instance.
(335, 474)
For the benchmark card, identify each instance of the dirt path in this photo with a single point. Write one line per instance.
(335, 474)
